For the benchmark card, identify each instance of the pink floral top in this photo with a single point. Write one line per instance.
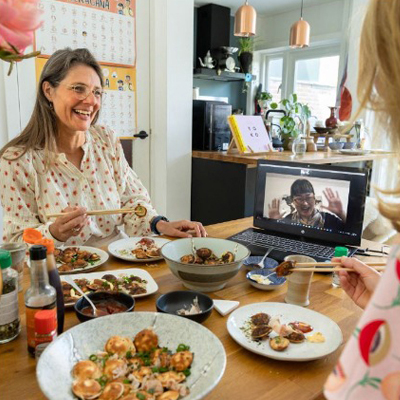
(369, 367)
(104, 181)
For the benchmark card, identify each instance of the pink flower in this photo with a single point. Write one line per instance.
(18, 21)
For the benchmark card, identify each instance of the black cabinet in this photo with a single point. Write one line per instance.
(221, 191)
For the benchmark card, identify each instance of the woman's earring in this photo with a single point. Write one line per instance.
(51, 105)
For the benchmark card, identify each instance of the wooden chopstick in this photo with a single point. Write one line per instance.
(329, 269)
(98, 212)
(334, 264)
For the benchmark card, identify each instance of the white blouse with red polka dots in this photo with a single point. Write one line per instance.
(104, 181)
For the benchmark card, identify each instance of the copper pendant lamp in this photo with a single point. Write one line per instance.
(300, 33)
(245, 21)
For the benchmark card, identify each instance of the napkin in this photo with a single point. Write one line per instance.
(224, 307)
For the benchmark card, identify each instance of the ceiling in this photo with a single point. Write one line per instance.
(263, 7)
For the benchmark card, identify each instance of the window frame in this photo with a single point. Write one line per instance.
(290, 57)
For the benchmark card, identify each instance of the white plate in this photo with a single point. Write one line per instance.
(129, 244)
(354, 152)
(151, 286)
(103, 258)
(55, 364)
(305, 351)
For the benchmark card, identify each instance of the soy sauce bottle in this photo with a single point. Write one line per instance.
(40, 295)
(54, 280)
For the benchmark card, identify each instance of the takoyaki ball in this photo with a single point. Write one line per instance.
(260, 319)
(119, 345)
(279, 343)
(211, 261)
(86, 389)
(188, 259)
(135, 362)
(139, 254)
(153, 252)
(80, 263)
(57, 252)
(141, 373)
(284, 268)
(228, 257)
(65, 268)
(181, 360)
(169, 395)
(204, 253)
(112, 391)
(115, 368)
(86, 369)
(198, 260)
(146, 340)
(296, 337)
(131, 396)
(143, 395)
(160, 358)
(94, 257)
(166, 378)
(261, 332)
(109, 277)
(83, 255)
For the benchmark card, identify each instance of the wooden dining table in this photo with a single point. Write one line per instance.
(247, 375)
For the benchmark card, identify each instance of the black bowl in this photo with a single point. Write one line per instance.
(123, 298)
(171, 302)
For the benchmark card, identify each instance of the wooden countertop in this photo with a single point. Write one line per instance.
(319, 157)
(247, 376)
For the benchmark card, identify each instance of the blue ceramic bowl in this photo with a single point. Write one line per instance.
(349, 145)
(276, 282)
(268, 262)
(336, 145)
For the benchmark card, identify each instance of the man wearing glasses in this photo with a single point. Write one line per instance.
(304, 211)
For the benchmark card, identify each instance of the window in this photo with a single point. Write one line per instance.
(274, 78)
(315, 83)
(310, 73)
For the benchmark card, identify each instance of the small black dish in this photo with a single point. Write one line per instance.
(171, 302)
(97, 297)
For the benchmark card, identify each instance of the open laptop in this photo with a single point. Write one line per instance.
(305, 209)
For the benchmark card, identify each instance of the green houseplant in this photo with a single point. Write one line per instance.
(245, 55)
(294, 122)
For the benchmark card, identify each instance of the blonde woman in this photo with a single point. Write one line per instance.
(64, 161)
(369, 367)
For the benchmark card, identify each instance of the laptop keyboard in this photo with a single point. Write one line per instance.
(284, 244)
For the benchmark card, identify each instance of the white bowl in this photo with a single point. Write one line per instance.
(204, 278)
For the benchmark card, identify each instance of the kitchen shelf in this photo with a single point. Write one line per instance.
(212, 75)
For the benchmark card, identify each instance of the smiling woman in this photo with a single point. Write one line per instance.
(63, 161)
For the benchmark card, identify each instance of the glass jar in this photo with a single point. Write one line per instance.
(299, 146)
(9, 314)
(18, 254)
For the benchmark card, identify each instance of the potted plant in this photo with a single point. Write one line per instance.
(293, 124)
(245, 54)
(263, 99)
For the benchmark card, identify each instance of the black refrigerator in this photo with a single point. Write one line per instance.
(210, 125)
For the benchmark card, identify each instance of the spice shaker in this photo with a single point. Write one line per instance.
(45, 330)
(9, 316)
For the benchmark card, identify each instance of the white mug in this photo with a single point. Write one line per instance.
(299, 283)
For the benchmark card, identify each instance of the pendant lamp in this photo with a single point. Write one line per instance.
(245, 21)
(300, 33)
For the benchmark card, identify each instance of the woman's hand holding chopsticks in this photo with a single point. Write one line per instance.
(360, 284)
(69, 224)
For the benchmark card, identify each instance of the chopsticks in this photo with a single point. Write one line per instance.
(98, 212)
(378, 266)
(334, 264)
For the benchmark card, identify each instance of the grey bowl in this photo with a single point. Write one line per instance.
(204, 278)
(336, 145)
(55, 364)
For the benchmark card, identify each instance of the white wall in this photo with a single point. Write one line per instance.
(171, 105)
(325, 21)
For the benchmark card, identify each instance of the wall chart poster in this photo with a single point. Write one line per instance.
(107, 29)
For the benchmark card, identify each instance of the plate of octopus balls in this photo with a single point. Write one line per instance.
(132, 356)
(284, 331)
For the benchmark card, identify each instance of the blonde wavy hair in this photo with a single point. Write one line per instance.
(379, 82)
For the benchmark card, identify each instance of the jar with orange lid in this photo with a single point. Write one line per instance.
(45, 330)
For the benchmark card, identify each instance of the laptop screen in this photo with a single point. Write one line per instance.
(311, 201)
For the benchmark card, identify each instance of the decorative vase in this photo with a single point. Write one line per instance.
(246, 58)
(332, 121)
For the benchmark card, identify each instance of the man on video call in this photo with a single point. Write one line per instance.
(303, 203)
